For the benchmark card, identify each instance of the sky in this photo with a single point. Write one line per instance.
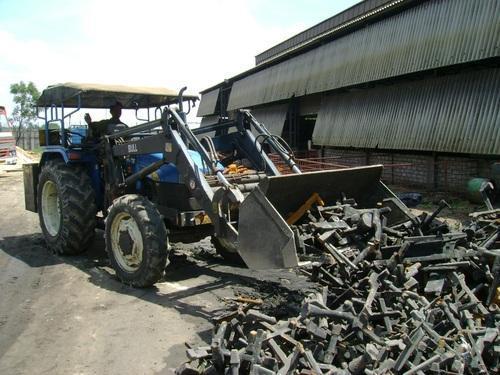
(164, 43)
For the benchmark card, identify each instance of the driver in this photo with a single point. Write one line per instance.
(109, 126)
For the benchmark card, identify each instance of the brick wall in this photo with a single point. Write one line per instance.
(442, 172)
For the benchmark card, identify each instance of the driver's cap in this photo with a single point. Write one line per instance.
(116, 104)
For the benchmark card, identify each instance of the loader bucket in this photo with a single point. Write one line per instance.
(266, 241)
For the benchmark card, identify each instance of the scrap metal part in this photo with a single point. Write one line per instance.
(407, 298)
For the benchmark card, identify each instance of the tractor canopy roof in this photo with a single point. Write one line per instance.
(95, 95)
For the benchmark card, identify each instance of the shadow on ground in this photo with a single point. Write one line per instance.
(280, 289)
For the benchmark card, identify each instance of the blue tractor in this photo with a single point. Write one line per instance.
(160, 179)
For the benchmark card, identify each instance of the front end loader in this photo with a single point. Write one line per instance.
(161, 180)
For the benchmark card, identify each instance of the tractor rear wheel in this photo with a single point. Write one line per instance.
(227, 250)
(66, 207)
(136, 240)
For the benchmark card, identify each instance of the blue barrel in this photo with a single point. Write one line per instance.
(77, 134)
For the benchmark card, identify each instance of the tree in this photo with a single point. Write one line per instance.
(24, 113)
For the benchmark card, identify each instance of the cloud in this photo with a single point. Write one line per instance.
(151, 42)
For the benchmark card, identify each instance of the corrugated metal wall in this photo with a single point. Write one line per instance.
(273, 117)
(434, 34)
(458, 113)
(208, 103)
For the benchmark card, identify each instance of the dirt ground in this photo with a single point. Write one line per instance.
(69, 315)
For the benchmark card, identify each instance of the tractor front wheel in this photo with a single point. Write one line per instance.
(136, 241)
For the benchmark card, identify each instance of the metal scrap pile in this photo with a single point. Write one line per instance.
(410, 297)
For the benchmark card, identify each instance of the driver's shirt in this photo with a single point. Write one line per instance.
(106, 127)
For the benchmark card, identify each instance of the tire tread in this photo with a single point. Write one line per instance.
(78, 207)
(155, 240)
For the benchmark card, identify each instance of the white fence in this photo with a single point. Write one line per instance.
(29, 139)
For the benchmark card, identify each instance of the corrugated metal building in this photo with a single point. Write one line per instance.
(383, 77)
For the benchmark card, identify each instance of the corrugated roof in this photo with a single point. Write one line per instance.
(358, 13)
(431, 35)
(369, 7)
(208, 103)
(458, 113)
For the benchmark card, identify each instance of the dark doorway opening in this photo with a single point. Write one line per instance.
(298, 131)
(305, 132)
